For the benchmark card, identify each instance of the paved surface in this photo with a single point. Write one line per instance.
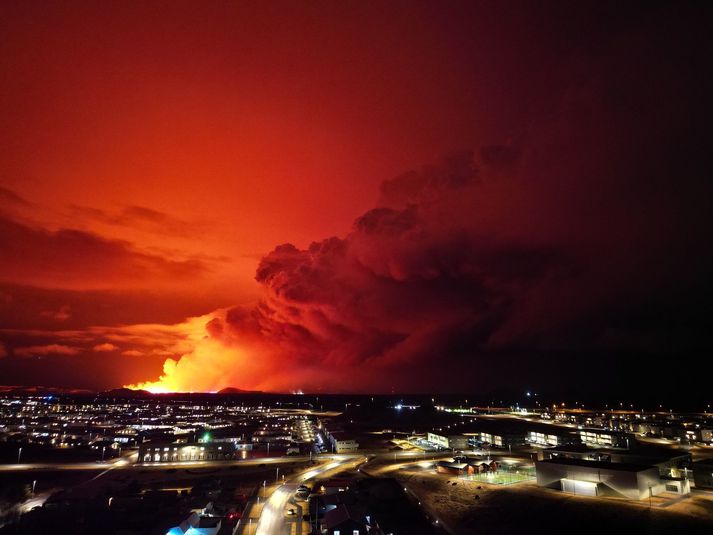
(128, 465)
(272, 519)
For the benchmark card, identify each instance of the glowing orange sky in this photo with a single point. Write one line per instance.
(243, 126)
(261, 125)
(152, 153)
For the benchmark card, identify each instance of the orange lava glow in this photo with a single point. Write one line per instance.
(200, 363)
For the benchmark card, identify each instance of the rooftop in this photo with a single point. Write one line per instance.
(596, 465)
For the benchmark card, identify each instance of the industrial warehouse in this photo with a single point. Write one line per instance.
(598, 478)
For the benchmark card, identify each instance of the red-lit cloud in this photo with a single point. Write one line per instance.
(50, 349)
(104, 347)
(70, 258)
(151, 161)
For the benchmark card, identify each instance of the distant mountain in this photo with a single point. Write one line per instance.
(41, 390)
(231, 390)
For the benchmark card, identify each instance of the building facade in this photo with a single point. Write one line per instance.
(593, 478)
(151, 452)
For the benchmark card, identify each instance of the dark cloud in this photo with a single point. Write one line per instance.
(8, 196)
(141, 218)
(573, 256)
(31, 307)
(69, 258)
(62, 314)
(397, 291)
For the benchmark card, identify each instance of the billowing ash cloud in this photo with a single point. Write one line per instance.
(415, 285)
(411, 277)
(576, 253)
(464, 270)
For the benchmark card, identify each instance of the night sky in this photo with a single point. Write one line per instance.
(357, 196)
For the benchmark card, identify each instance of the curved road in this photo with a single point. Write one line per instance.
(272, 517)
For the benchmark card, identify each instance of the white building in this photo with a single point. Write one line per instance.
(457, 442)
(595, 478)
(342, 443)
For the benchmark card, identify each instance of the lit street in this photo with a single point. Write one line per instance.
(126, 464)
(272, 518)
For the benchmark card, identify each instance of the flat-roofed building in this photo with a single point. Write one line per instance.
(153, 452)
(552, 437)
(594, 478)
(342, 443)
(500, 439)
(451, 442)
(599, 437)
(670, 462)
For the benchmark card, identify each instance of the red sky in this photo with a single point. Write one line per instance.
(151, 154)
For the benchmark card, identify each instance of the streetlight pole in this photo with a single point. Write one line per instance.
(19, 454)
(103, 450)
(277, 474)
(649, 495)
(34, 482)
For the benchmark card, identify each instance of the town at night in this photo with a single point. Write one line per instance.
(276, 464)
(336, 267)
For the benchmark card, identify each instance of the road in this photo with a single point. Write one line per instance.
(272, 518)
(124, 463)
(129, 462)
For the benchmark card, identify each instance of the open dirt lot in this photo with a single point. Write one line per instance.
(525, 508)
